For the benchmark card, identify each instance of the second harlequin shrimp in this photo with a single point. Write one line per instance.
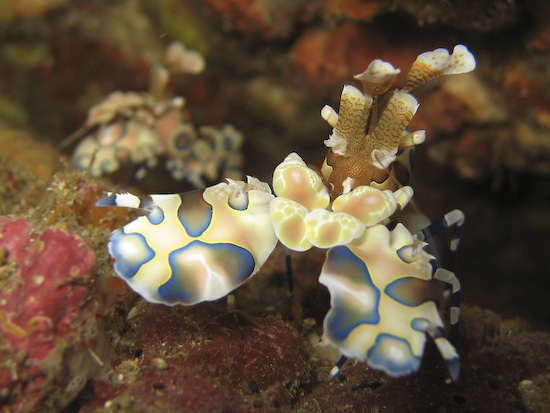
(129, 128)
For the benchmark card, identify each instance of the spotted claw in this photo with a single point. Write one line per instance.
(381, 305)
(196, 246)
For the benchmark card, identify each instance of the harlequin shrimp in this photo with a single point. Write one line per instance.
(137, 128)
(186, 250)
(200, 245)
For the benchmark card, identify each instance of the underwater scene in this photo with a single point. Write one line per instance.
(274, 206)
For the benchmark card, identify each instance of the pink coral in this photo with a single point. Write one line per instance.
(46, 318)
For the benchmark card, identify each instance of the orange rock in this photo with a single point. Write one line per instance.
(330, 54)
(24, 148)
(354, 9)
(267, 19)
